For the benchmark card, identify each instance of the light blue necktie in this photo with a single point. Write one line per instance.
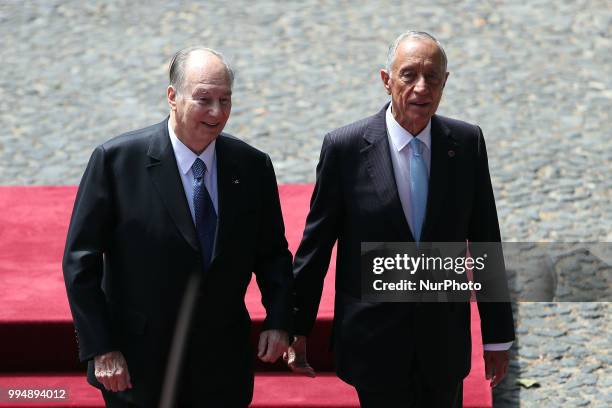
(418, 186)
(205, 215)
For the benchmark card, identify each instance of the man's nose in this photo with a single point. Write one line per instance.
(215, 108)
(421, 84)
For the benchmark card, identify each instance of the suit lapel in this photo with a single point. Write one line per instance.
(164, 173)
(229, 188)
(380, 168)
(443, 148)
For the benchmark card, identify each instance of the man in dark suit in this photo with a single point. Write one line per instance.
(404, 174)
(154, 207)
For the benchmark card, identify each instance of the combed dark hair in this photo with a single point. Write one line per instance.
(176, 71)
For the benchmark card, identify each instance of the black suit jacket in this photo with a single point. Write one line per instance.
(356, 200)
(132, 245)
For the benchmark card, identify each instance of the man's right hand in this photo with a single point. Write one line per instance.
(111, 370)
(296, 357)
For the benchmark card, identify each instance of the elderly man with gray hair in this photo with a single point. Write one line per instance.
(156, 207)
(404, 174)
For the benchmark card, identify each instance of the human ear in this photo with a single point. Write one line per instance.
(384, 76)
(171, 95)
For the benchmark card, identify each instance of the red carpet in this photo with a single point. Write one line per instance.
(37, 345)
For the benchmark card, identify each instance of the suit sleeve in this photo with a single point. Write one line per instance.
(88, 235)
(320, 234)
(273, 263)
(496, 321)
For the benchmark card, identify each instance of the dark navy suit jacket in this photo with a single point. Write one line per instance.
(355, 200)
(132, 245)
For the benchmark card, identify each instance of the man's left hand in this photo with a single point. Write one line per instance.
(496, 365)
(272, 345)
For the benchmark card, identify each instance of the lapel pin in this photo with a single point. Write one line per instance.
(236, 181)
(451, 153)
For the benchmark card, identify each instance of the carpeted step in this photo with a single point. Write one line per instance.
(33, 225)
(35, 325)
(23, 349)
(72, 386)
(272, 390)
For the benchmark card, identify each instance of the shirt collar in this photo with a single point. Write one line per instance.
(185, 157)
(400, 137)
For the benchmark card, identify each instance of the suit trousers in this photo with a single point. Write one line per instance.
(449, 397)
(417, 393)
(113, 400)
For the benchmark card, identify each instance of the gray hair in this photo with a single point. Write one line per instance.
(412, 34)
(176, 70)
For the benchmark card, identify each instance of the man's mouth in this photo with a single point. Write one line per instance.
(420, 104)
(212, 125)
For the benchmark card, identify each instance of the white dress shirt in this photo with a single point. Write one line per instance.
(184, 160)
(401, 154)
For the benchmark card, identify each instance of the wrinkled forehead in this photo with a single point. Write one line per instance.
(418, 51)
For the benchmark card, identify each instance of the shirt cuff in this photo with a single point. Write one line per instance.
(497, 346)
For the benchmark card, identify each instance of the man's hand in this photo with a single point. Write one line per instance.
(111, 371)
(272, 345)
(296, 357)
(496, 365)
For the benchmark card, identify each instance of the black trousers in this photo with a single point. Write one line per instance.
(415, 395)
(113, 400)
(217, 385)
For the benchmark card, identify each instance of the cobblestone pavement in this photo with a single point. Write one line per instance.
(536, 75)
